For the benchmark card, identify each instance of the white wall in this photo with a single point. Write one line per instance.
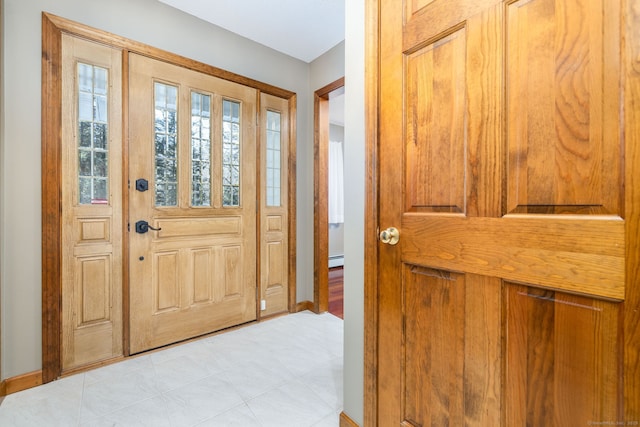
(354, 196)
(147, 21)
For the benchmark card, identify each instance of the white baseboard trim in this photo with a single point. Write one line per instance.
(336, 261)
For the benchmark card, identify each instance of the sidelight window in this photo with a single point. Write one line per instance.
(273, 159)
(93, 150)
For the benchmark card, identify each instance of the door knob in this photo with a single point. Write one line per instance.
(390, 236)
(143, 226)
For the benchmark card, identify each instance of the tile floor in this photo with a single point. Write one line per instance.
(281, 372)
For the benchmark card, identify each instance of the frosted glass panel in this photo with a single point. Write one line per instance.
(273, 159)
(230, 153)
(93, 134)
(166, 145)
(200, 149)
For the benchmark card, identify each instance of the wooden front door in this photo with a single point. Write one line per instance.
(509, 152)
(192, 169)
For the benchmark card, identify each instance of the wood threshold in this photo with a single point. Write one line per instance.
(52, 28)
(321, 198)
(345, 421)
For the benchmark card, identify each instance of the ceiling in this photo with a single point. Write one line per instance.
(303, 29)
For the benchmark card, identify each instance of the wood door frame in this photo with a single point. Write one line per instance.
(371, 298)
(321, 195)
(52, 28)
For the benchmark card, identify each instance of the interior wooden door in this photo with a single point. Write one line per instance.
(192, 162)
(508, 160)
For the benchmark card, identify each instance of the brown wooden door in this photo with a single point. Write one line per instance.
(192, 137)
(507, 133)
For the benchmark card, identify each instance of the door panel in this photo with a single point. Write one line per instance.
(501, 162)
(563, 120)
(91, 203)
(562, 356)
(193, 138)
(274, 246)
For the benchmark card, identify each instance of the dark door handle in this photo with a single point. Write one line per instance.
(143, 226)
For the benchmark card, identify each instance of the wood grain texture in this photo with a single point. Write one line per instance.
(432, 19)
(321, 203)
(562, 358)
(336, 292)
(21, 382)
(372, 74)
(51, 199)
(346, 421)
(563, 120)
(161, 266)
(273, 231)
(632, 213)
(578, 255)
(550, 140)
(91, 238)
(291, 202)
(390, 204)
(436, 137)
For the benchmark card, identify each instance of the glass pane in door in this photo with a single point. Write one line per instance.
(93, 167)
(230, 153)
(166, 145)
(200, 149)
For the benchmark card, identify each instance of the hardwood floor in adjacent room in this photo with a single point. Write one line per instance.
(336, 285)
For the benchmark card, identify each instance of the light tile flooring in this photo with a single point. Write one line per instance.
(281, 372)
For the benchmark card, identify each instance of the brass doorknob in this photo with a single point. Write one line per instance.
(390, 236)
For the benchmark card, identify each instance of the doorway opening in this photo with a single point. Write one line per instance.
(328, 226)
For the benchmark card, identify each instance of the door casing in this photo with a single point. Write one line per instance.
(52, 28)
(321, 199)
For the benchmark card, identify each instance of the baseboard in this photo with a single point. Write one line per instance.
(304, 305)
(345, 421)
(336, 261)
(21, 382)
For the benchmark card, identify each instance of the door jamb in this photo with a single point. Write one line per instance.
(52, 28)
(371, 298)
(321, 199)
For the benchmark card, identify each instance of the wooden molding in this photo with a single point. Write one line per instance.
(321, 197)
(51, 199)
(345, 421)
(304, 305)
(371, 215)
(20, 382)
(113, 40)
(293, 248)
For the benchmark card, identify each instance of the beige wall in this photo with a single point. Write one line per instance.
(354, 196)
(147, 21)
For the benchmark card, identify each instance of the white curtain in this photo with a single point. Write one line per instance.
(336, 183)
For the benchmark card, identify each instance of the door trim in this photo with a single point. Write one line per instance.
(321, 195)
(52, 28)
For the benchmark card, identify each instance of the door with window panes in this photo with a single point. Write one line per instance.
(192, 203)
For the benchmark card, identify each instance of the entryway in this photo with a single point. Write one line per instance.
(177, 188)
